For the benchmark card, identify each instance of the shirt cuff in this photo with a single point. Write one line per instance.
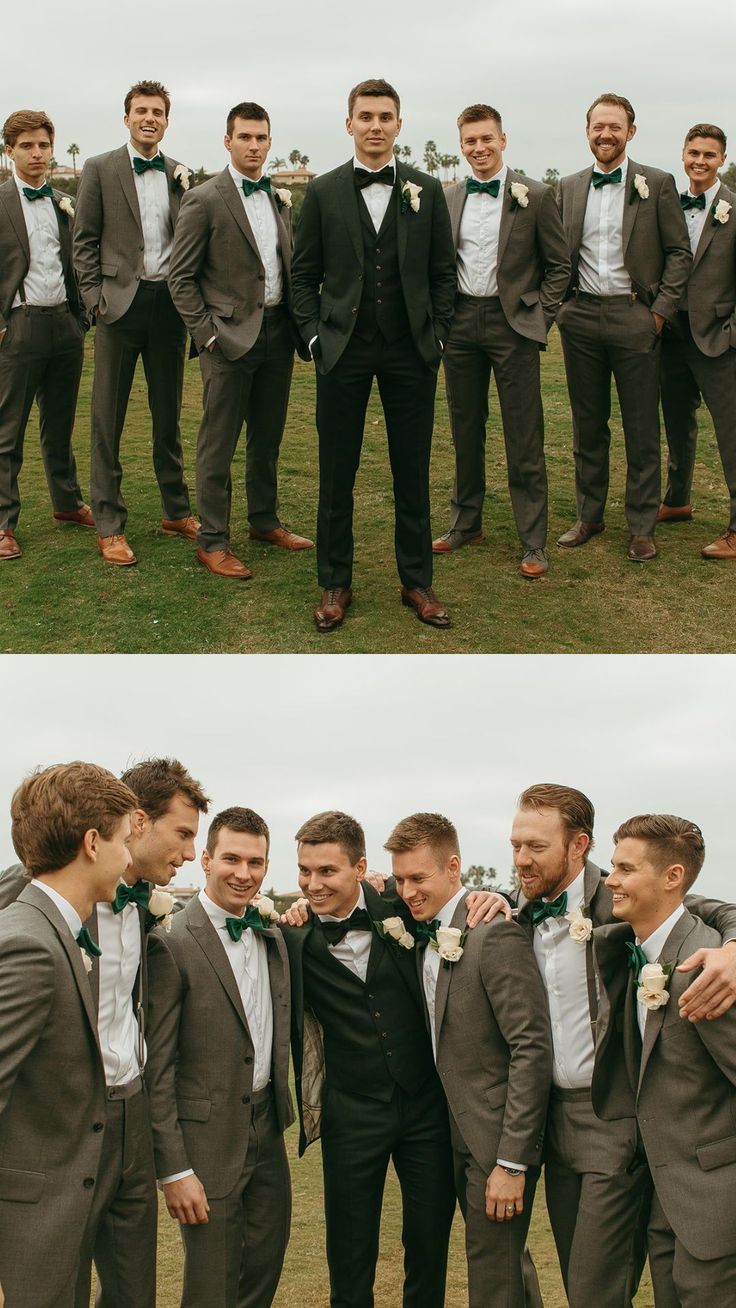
(208, 343)
(178, 1176)
(518, 1167)
(311, 343)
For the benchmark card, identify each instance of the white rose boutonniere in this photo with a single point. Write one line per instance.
(652, 985)
(581, 927)
(182, 177)
(721, 211)
(449, 944)
(393, 928)
(266, 908)
(86, 960)
(410, 193)
(66, 206)
(519, 195)
(639, 187)
(161, 908)
(281, 196)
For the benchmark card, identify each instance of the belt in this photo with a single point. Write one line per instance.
(132, 1088)
(570, 1096)
(42, 308)
(478, 299)
(606, 299)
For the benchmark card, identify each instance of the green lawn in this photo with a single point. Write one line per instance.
(61, 598)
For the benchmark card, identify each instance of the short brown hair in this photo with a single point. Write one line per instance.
(575, 809)
(609, 97)
(247, 109)
(237, 819)
(333, 827)
(156, 781)
(52, 809)
(26, 120)
(148, 88)
(431, 829)
(708, 129)
(670, 840)
(374, 86)
(477, 113)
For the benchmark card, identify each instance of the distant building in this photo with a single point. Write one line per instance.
(293, 177)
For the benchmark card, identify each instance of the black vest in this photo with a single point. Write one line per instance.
(374, 1032)
(382, 308)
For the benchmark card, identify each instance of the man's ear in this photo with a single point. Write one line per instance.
(361, 867)
(139, 823)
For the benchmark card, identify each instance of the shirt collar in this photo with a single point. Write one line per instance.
(135, 155)
(359, 903)
(447, 912)
(624, 166)
(575, 892)
(239, 178)
(216, 914)
(655, 943)
(21, 184)
(69, 914)
(499, 177)
(710, 194)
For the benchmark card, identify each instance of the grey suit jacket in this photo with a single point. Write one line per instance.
(711, 291)
(682, 1085)
(533, 267)
(200, 1052)
(15, 253)
(656, 246)
(108, 235)
(52, 1102)
(494, 1050)
(216, 276)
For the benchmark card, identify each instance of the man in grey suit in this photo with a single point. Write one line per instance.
(513, 268)
(230, 280)
(497, 1083)
(681, 1077)
(127, 208)
(42, 326)
(698, 359)
(217, 1070)
(630, 262)
(71, 827)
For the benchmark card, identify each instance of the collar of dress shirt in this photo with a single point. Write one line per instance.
(30, 186)
(359, 903)
(500, 177)
(654, 944)
(575, 895)
(710, 194)
(447, 912)
(216, 914)
(135, 155)
(69, 914)
(239, 178)
(391, 164)
(624, 166)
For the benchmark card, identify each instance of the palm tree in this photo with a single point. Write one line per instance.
(276, 165)
(73, 150)
(3, 160)
(454, 164)
(431, 157)
(303, 160)
(295, 158)
(53, 165)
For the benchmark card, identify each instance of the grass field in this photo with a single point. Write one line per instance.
(61, 598)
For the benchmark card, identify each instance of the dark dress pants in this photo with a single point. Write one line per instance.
(152, 330)
(481, 342)
(687, 376)
(254, 390)
(41, 358)
(407, 387)
(360, 1136)
(605, 337)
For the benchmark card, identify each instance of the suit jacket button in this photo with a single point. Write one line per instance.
(98, 1126)
(248, 1059)
(260, 304)
(353, 310)
(141, 247)
(245, 1099)
(88, 1182)
(260, 277)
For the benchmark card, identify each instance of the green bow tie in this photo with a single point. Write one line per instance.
(603, 179)
(85, 942)
(542, 909)
(688, 201)
(428, 930)
(139, 894)
(38, 193)
(474, 187)
(636, 960)
(263, 185)
(237, 925)
(143, 165)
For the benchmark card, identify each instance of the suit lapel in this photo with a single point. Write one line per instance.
(74, 953)
(632, 200)
(402, 219)
(175, 192)
(508, 215)
(206, 936)
(445, 973)
(14, 207)
(456, 197)
(671, 952)
(349, 206)
(124, 170)
(284, 238)
(709, 228)
(581, 190)
(231, 196)
(93, 976)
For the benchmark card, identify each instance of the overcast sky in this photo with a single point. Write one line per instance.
(540, 63)
(381, 737)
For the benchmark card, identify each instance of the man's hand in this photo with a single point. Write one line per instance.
(297, 915)
(714, 991)
(377, 880)
(658, 323)
(484, 905)
(187, 1201)
(504, 1195)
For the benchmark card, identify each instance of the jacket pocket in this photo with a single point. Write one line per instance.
(529, 298)
(221, 310)
(724, 310)
(194, 1110)
(21, 1187)
(496, 1095)
(717, 1154)
(109, 269)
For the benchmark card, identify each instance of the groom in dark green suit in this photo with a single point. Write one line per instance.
(373, 289)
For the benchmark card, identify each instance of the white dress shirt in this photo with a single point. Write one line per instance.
(477, 249)
(601, 268)
(44, 283)
(695, 218)
(354, 950)
(262, 219)
(376, 194)
(69, 914)
(119, 938)
(653, 946)
(249, 962)
(154, 202)
(562, 963)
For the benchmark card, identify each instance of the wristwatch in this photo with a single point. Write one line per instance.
(512, 1171)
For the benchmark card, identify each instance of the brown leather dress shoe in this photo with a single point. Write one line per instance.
(186, 527)
(9, 547)
(427, 607)
(641, 549)
(674, 513)
(224, 564)
(723, 548)
(281, 536)
(82, 516)
(331, 610)
(454, 540)
(115, 549)
(579, 534)
(534, 564)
